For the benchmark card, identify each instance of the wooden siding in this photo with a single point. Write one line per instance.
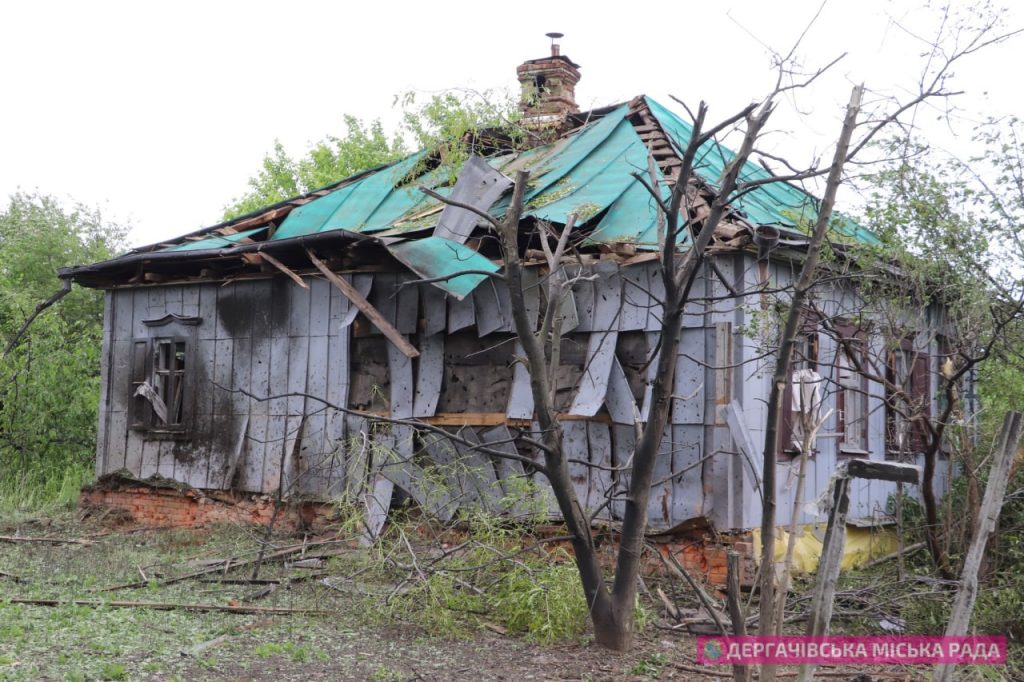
(298, 351)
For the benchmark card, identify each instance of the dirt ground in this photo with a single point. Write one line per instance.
(353, 640)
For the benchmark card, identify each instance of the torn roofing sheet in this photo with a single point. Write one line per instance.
(590, 171)
(217, 241)
(776, 203)
(432, 257)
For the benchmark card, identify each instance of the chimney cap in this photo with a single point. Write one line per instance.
(554, 35)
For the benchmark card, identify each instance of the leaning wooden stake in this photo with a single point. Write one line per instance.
(835, 539)
(740, 673)
(991, 506)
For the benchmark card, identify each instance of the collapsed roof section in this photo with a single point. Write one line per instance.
(381, 219)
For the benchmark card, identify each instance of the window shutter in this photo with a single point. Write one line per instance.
(920, 391)
(141, 412)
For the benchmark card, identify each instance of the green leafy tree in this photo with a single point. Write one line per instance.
(448, 124)
(49, 381)
(329, 160)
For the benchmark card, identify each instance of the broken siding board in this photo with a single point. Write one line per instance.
(357, 454)
(659, 506)
(656, 291)
(339, 306)
(384, 297)
(520, 398)
(363, 283)
(531, 295)
(429, 375)
(401, 384)
(619, 399)
(292, 469)
(575, 446)
(688, 389)
(434, 310)
(479, 469)
(492, 307)
(250, 468)
(635, 299)
(460, 313)
(653, 343)
(510, 473)
(593, 384)
(450, 465)
(570, 318)
(380, 489)
(407, 308)
(688, 484)
(601, 483)
(623, 444)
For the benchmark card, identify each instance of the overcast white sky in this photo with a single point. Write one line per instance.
(159, 112)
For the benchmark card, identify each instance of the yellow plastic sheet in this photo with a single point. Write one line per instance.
(862, 545)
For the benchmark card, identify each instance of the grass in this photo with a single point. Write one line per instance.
(41, 487)
(536, 600)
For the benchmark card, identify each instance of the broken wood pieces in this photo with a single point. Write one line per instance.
(365, 307)
(171, 606)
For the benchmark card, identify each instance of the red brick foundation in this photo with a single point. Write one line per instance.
(161, 503)
(166, 504)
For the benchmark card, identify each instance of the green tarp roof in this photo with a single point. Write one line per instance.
(591, 173)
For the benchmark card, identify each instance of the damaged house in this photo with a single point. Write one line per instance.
(253, 355)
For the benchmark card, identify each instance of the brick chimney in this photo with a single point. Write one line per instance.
(548, 87)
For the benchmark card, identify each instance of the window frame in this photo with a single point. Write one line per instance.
(917, 385)
(806, 355)
(858, 390)
(173, 330)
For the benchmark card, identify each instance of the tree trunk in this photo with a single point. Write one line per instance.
(781, 375)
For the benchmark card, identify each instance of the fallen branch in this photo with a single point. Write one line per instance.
(11, 576)
(219, 567)
(52, 541)
(672, 563)
(889, 557)
(210, 643)
(169, 606)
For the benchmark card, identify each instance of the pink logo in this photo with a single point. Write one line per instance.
(838, 649)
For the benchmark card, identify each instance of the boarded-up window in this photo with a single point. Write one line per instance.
(907, 400)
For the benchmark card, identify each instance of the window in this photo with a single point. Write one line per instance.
(805, 357)
(161, 378)
(907, 400)
(851, 391)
